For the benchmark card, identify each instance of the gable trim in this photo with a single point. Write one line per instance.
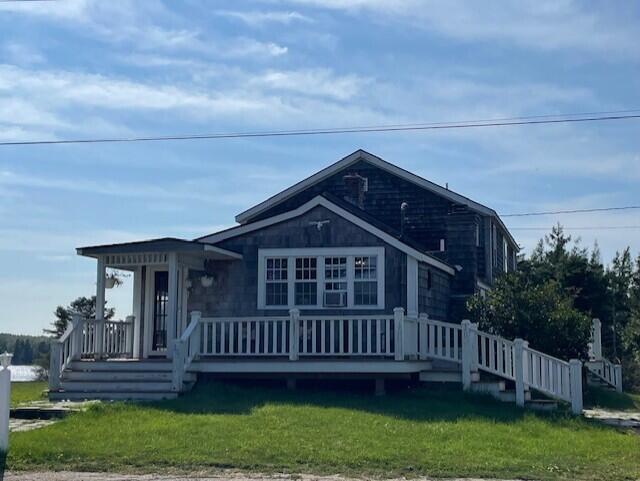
(354, 219)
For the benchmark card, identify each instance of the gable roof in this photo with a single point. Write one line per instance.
(351, 159)
(353, 215)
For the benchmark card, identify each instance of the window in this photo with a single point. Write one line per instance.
(477, 235)
(443, 245)
(365, 284)
(276, 287)
(321, 278)
(505, 257)
(335, 281)
(306, 285)
(494, 244)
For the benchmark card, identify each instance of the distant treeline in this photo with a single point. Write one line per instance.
(26, 350)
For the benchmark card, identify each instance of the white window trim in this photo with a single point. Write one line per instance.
(320, 253)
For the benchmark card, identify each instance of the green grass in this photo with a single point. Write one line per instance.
(604, 398)
(25, 392)
(407, 432)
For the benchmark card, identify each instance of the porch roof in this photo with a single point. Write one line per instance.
(163, 244)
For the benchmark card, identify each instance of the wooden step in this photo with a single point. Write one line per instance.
(123, 376)
(510, 396)
(121, 365)
(111, 396)
(542, 404)
(115, 386)
(488, 387)
(445, 376)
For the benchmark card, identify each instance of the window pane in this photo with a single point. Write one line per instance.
(306, 268)
(276, 294)
(306, 293)
(365, 267)
(365, 293)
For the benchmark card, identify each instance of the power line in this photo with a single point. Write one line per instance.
(573, 211)
(569, 118)
(602, 227)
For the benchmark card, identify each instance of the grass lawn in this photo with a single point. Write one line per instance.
(407, 432)
(24, 392)
(603, 398)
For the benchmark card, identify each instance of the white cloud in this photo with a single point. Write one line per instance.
(256, 18)
(549, 25)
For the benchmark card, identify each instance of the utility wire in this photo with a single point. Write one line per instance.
(573, 211)
(329, 131)
(603, 227)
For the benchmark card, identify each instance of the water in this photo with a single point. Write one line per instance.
(23, 373)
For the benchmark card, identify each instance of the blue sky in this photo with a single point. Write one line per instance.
(81, 69)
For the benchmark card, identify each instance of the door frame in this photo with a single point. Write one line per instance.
(149, 308)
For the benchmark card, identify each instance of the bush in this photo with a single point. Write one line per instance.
(539, 312)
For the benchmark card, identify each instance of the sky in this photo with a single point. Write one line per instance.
(98, 68)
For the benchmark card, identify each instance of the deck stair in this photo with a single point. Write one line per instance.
(118, 380)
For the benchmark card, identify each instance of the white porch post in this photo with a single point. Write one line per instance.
(468, 339)
(5, 400)
(172, 303)
(575, 367)
(617, 369)
(76, 336)
(294, 333)
(137, 302)
(398, 324)
(519, 366)
(100, 300)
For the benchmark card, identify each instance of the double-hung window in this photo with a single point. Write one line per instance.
(321, 278)
(276, 285)
(365, 282)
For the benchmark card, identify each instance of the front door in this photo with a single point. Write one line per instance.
(158, 310)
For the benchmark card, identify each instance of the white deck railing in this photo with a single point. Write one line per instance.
(88, 338)
(244, 336)
(548, 374)
(439, 340)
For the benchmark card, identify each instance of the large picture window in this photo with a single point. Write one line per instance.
(321, 278)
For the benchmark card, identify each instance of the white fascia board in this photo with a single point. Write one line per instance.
(378, 162)
(222, 252)
(321, 201)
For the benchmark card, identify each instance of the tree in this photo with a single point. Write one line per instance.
(85, 306)
(539, 312)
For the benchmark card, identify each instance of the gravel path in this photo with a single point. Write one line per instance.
(226, 476)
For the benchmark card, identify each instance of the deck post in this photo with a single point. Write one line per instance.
(423, 327)
(177, 376)
(398, 323)
(467, 354)
(617, 369)
(595, 348)
(379, 388)
(294, 333)
(100, 298)
(518, 364)
(5, 400)
(54, 366)
(76, 339)
(575, 376)
(130, 320)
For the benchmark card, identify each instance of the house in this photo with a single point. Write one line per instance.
(361, 269)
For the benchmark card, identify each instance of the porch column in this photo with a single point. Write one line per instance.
(100, 299)
(137, 302)
(172, 303)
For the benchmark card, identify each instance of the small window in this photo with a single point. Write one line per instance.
(429, 280)
(443, 245)
(494, 244)
(276, 292)
(477, 235)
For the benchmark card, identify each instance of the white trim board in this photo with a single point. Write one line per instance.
(321, 201)
(360, 154)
